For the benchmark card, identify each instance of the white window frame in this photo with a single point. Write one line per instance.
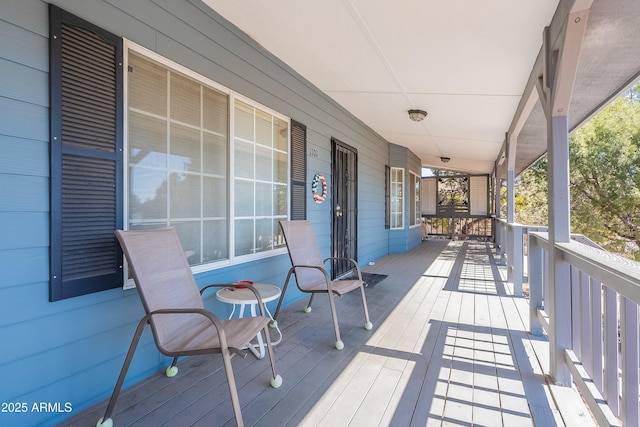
(236, 259)
(415, 190)
(397, 197)
(163, 61)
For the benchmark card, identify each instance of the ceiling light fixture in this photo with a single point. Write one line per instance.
(445, 159)
(417, 115)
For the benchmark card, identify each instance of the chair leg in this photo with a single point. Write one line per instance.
(334, 315)
(284, 289)
(307, 309)
(231, 382)
(276, 380)
(367, 323)
(123, 371)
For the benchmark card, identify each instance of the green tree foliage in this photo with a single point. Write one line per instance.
(605, 179)
(531, 195)
(453, 191)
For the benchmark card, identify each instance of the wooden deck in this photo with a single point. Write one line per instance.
(449, 347)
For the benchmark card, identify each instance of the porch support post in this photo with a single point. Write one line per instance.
(514, 239)
(559, 270)
(510, 197)
(500, 231)
(508, 239)
(561, 50)
(497, 198)
(496, 203)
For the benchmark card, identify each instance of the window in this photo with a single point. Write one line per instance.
(415, 200)
(177, 158)
(184, 152)
(260, 179)
(397, 198)
(204, 160)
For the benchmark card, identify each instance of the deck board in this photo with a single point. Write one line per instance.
(449, 347)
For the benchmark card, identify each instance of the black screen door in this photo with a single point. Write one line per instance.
(345, 206)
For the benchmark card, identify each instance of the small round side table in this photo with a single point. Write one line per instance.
(242, 297)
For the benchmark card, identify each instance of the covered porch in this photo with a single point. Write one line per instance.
(450, 346)
(454, 339)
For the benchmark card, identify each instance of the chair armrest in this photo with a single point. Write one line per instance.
(353, 261)
(201, 311)
(217, 323)
(317, 267)
(215, 285)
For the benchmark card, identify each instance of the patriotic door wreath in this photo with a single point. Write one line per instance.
(319, 194)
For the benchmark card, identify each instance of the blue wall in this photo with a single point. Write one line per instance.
(408, 237)
(72, 350)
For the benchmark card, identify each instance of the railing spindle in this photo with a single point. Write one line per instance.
(585, 324)
(610, 390)
(596, 332)
(535, 286)
(629, 354)
(576, 323)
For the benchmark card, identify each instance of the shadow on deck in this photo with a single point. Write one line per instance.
(449, 347)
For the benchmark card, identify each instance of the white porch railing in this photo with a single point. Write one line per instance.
(512, 244)
(460, 226)
(604, 305)
(605, 296)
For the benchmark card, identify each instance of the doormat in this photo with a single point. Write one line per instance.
(371, 279)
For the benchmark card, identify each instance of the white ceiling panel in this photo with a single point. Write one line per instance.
(465, 62)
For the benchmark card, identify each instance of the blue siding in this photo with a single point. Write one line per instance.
(402, 240)
(24, 120)
(72, 350)
(15, 88)
(23, 45)
(20, 156)
(24, 193)
(20, 267)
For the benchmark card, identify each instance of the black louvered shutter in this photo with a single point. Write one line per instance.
(86, 156)
(298, 171)
(387, 196)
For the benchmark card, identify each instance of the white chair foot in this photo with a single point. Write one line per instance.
(107, 423)
(171, 371)
(276, 382)
(339, 345)
(368, 326)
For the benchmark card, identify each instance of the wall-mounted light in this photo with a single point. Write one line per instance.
(417, 115)
(445, 159)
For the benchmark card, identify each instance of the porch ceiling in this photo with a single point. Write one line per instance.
(609, 64)
(467, 63)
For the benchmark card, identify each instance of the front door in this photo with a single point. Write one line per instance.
(345, 206)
